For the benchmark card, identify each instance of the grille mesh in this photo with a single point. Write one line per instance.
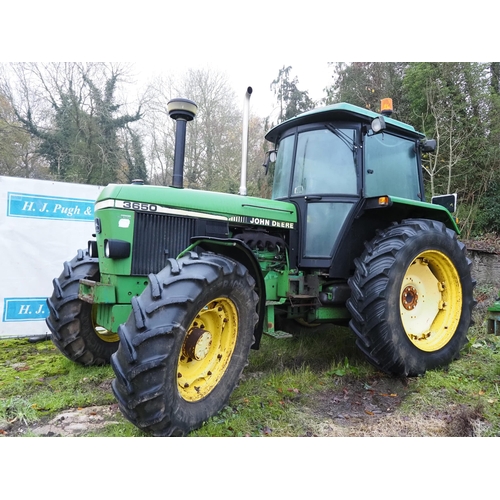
(152, 247)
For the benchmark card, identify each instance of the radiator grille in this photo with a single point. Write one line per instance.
(158, 238)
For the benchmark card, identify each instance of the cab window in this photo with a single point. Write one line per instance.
(391, 167)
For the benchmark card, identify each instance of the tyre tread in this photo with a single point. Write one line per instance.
(369, 299)
(69, 319)
(145, 357)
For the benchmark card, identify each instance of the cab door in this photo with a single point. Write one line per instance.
(323, 219)
(325, 188)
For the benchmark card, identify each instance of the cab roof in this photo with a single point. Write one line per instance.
(339, 112)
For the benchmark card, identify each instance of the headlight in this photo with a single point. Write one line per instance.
(92, 248)
(116, 249)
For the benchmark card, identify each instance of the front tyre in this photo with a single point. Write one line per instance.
(412, 297)
(72, 322)
(185, 344)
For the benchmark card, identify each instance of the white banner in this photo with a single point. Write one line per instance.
(42, 225)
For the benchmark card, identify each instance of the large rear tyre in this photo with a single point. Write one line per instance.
(412, 298)
(185, 344)
(72, 321)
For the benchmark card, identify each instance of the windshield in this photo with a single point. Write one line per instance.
(323, 163)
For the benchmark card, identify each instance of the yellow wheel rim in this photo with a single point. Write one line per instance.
(101, 332)
(207, 349)
(431, 301)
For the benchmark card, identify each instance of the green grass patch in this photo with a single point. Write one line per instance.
(40, 375)
(17, 408)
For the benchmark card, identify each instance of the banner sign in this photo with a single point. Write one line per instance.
(25, 309)
(42, 225)
(49, 207)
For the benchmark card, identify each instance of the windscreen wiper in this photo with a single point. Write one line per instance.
(342, 136)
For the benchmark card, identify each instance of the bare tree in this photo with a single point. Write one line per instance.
(18, 150)
(213, 147)
(71, 108)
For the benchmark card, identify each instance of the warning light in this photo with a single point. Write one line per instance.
(386, 106)
(383, 201)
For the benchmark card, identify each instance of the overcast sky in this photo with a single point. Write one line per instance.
(248, 41)
(313, 76)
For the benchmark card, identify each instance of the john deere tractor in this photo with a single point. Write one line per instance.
(178, 285)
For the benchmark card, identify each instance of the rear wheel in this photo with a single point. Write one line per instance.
(411, 297)
(185, 345)
(72, 322)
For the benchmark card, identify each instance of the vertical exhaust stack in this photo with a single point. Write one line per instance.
(182, 111)
(244, 141)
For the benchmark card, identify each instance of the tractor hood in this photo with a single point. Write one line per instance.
(194, 203)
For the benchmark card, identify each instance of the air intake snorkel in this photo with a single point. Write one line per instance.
(182, 111)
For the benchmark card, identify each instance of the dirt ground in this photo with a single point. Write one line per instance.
(75, 422)
(357, 408)
(371, 409)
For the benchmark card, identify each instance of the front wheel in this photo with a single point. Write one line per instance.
(185, 344)
(412, 297)
(72, 322)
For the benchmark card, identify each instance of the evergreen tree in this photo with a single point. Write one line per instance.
(291, 100)
(364, 84)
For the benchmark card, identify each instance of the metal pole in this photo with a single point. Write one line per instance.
(244, 142)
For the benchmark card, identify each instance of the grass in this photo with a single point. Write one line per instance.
(39, 377)
(17, 408)
(289, 388)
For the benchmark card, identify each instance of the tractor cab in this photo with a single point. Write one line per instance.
(330, 162)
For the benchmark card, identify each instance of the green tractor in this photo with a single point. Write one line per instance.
(178, 285)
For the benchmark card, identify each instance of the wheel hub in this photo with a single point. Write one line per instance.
(197, 344)
(409, 298)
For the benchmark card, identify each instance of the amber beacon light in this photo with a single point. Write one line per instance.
(386, 106)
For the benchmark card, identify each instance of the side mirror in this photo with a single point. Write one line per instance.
(270, 158)
(428, 145)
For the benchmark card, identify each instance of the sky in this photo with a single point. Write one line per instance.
(313, 76)
(248, 41)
